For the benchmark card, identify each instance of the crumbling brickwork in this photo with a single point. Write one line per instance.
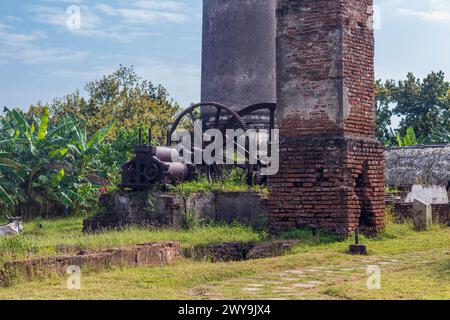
(331, 165)
(402, 210)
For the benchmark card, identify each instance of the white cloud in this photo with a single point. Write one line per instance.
(12, 18)
(161, 5)
(150, 17)
(58, 16)
(106, 9)
(128, 21)
(35, 55)
(439, 4)
(428, 10)
(20, 39)
(120, 34)
(440, 16)
(29, 48)
(147, 12)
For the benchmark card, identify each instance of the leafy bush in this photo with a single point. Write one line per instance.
(45, 168)
(122, 97)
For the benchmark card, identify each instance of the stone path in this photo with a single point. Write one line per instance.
(295, 283)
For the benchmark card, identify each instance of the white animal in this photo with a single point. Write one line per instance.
(14, 227)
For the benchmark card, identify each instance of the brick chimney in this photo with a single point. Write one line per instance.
(331, 165)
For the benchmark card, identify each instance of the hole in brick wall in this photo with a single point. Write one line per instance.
(360, 182)
(320, 177)
(361, 28)
(361, 185)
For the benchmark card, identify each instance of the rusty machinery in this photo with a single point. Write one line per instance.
(153, 165)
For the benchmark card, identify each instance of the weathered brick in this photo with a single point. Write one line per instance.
(331, 166)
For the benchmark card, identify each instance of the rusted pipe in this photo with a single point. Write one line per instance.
(178, 171)
(166, 154)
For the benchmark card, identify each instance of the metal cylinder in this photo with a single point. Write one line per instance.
(238, 57)
(166, 154)
(178, 171)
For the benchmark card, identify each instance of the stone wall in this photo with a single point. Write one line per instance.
(158, 209)
(402, 212)
(142, 255)
(331, 165)
(237, 251)
(147, 209)
(401, 207)
(248, 208)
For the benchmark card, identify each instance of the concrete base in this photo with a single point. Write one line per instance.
(357, 249)
(244, 207)
(147, 209)
(158, 209)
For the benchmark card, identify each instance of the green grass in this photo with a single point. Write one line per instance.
(41, 237)
(414, 265)
(202, 185)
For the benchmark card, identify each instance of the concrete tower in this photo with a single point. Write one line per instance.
(238, 57)
(331, 164)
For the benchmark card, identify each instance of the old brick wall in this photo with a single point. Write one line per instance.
(331, 165)
(358, 66)
(402, 211)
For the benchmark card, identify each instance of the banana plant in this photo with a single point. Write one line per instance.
(84, 150)
(410, 139)
(6, 188)
(40, 160)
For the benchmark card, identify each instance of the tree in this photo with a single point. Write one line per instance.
(121, 97)
(384, 113)
(438, 136)
(423, 105)
(116, 152)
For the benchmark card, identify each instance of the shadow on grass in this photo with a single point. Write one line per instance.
(308, 237)
(443, 269)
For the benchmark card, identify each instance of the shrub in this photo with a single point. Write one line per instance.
(45, 168)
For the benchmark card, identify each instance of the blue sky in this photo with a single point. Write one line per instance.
(41, 57)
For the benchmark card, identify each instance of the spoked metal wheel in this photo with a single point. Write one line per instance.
(260, 116)
(210, 115)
